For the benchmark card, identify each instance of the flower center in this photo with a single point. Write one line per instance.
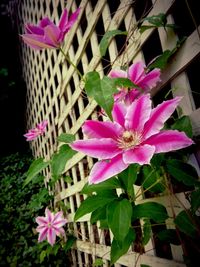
(49, 225)
(129, 139)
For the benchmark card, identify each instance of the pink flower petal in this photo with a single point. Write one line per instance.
(59, 231)
(51, 236)
(35, 41)
(43, 234)
(121, 95)
(136, 72)
(103, 170)
(59, 223)
(30, 28)
(63, 20)
(104, 148)
(117, 74)
(72, 20)
(150, 80)
(169, 140)
(49, 215)
(159, 115)
(141, 155)
(99, 129)
(131, 96)
(41, 220)
(42, 125)
(118, 113)
(45, 22)
(138, 113)
(52, 35)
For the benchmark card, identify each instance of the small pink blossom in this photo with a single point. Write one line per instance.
(137, 74)
(37, 131)
(47, 34)
(50, 226)
(134, 136)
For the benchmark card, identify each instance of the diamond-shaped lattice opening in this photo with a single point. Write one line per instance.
(83, 22)
(190, 10)
(44, 6)
(76, 109)
(99, 29)
(152, 47)
(142, 8)
(69, 121)
(121, 39)
(193, 75)
(59, 9)
(75, 43)
(51, 7)
(113, 6)
(72, 86)
(88, 51)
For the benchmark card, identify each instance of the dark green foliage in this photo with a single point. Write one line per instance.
(19, 207)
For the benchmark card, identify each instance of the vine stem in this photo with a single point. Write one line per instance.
(70, 62)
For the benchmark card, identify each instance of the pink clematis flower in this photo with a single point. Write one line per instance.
(50, 226)
(47, 34)
(37, 131)
(134, 137)
(136, 73)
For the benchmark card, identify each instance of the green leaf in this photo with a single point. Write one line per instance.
(68, 179)
(104, 224)
(183, 172)
(183, 124)
(60, 159)
(111, 183)
(70, 242)
(97, 215)
(55, 249)
(118, 250)
(143, 28)
(146, 232)
(159, 20)
(101, 90)
(4, 72)
(150, 210)
(169, 235)
(107, 38)
(66, 138)
(161, 61)
(35, 168)
(128, 177)
(125, 82)
(119, 214)
(98, 263)
(42, 255)
(195, 200)
(90, 204)
(185, 224)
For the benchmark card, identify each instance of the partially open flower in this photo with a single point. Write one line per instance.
(47, 34)
(37, 131)
(138, 75)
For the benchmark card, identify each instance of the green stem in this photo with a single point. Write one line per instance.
(70, 62)
(156, 182)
